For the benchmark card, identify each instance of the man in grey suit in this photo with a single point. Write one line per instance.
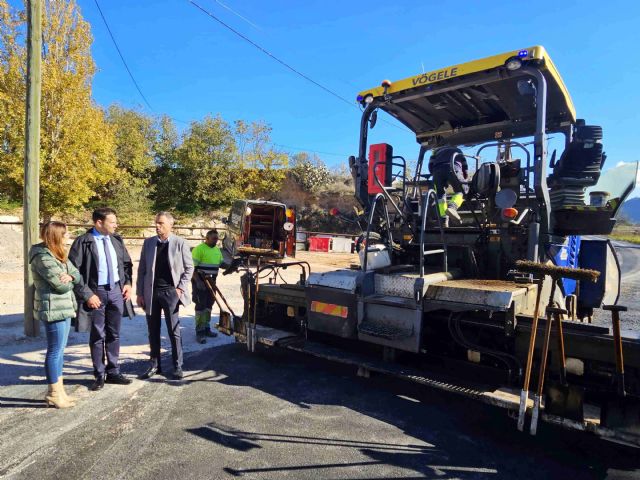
(164, 274)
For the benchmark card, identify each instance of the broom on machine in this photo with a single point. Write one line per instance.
(565, 400)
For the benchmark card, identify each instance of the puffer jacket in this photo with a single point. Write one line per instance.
(54, 300)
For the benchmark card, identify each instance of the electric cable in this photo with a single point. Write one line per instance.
(456, 332)
(286, 65)
(282, 62)
(124, 62)
(309, 150)
(272, 56)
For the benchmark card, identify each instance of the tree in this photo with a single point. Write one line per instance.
(77, 144)
(12, 101)
(136, 136)
(309, 172)
(261, 167)
(199, 174)
(166, 143)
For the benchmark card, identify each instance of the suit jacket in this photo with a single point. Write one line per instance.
(84, 255)
(180, 262)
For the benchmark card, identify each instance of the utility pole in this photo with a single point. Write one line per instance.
(31, 200)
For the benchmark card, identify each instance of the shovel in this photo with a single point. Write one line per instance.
(228, 322)
(622, 411)
(561, 399)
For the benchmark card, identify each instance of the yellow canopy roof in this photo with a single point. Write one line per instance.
(475, 101)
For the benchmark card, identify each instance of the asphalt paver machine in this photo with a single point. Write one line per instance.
(495, 306)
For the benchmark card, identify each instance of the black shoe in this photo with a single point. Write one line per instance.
(177, 374)
(200, 337)
(209, 333)
(97, 384)
(454, 216)
(150, 372)
(118, 379)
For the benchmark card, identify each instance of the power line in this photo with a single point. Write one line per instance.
(106, 24)
(237, 14)
(286, 65)
(310, 150)
(273, 57)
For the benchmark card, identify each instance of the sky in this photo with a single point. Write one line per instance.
(188, 65)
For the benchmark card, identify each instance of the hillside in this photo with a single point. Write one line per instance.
(631, 210)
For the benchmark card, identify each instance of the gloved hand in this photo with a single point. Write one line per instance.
(233, 267)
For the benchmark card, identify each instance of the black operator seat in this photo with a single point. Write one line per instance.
(582, 160)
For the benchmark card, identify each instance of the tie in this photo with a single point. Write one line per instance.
(107, 254)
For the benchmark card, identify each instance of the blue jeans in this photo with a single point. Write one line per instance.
(57, 335)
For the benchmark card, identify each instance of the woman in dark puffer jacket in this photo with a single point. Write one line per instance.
(55, 304)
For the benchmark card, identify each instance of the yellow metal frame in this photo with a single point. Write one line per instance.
(460, 70)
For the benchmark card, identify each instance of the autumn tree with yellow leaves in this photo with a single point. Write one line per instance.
(119, 156)
(77, 145)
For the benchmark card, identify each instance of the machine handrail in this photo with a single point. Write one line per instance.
(429, 194)
(378, 196)
(521, 146)
(383, 188)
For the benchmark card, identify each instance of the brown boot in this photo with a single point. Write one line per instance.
(72, 400)
(54, 397)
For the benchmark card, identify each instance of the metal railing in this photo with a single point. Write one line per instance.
(203, 230)
(425, 212)
(122, 228)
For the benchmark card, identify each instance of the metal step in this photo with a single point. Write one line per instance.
(433, 252)
(382, 330)
(405, 284)
(391, 300)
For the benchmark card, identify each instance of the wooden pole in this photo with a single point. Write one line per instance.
(31, 200)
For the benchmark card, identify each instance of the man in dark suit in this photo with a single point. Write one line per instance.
(104, 293)
(164, 274)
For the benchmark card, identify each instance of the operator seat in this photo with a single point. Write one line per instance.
(579, 167)
(582, 160)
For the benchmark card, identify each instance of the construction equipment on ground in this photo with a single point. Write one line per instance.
(260, 228)
(440, 298)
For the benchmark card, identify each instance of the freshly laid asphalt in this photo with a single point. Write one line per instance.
(276, 414)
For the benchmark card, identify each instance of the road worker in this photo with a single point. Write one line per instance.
(207, 258)
(449, 168)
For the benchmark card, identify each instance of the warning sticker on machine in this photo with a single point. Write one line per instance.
(330, 309)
